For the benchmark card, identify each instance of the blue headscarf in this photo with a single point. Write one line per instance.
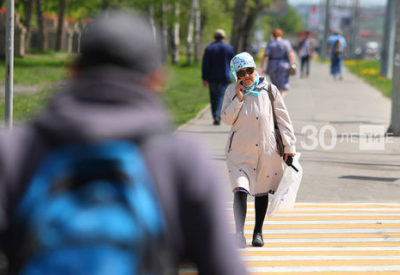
(245, 60)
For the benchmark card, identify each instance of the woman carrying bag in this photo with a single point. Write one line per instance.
(254, 164)
(281, 60)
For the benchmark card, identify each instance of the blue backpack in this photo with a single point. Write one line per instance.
(92, 209)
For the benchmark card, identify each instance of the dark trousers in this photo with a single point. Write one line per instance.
(305, 62)
(336, 66)
(217, 92)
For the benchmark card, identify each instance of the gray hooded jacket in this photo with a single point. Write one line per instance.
(105, 104)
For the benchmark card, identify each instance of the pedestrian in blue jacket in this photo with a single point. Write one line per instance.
(216, 71)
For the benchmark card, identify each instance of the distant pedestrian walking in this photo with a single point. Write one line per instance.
(305, 50)
(255, 166)
(336, 45)
(280, 57)
(216, 73)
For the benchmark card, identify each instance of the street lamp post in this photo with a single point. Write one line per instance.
(389, 33)
(326, 31)
(9, 64)
(394, 127)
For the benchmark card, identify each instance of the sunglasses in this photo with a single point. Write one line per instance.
(245, 71)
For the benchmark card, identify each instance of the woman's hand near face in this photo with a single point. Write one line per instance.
(239, 90)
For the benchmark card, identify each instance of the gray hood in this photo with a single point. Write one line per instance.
(103, 104)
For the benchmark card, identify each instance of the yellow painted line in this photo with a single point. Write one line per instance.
(319, 253)
(312, 218)
(323, 263)
(330, 244)
(331, 235)
(320, 273)
(297, 206)
(355, 212)
(323, 226)
(324, 273)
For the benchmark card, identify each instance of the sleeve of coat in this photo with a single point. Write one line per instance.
(284, 122)
(3, 206)
(204, 66)
(231, 106)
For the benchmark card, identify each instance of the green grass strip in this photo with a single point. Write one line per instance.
(369, 71)
(37, 69)
(184, 95)
(26, 106)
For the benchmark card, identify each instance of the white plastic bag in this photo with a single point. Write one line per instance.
(285, 196)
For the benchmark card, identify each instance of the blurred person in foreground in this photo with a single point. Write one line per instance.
(280, 57)
(335, 46)
(75, 195)
(216, 73)
(254, 165)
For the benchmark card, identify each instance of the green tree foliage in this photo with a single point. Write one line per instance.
(245, 15)
(217, 15)
(291, 23)
(214, 15)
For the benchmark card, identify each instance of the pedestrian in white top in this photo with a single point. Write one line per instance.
(254, 165)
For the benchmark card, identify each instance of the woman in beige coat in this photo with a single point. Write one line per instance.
(254, 164)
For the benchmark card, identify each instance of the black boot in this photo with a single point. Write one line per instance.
(240, 240)
(239, 211)
(261, 204)
(257, 239)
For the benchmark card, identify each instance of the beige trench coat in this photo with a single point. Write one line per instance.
(252, 158)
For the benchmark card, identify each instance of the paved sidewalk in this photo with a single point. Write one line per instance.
(344, 172)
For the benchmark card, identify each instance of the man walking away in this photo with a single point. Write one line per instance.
(216, 72)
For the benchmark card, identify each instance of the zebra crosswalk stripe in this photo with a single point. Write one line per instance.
(317, 238)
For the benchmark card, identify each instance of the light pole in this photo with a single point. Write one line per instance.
(326, 30)
(9, 64)
(394, 127)
(389, 34)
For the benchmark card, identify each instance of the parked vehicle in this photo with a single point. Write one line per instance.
(371, 50)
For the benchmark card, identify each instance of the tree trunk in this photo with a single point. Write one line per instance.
(239, 19)
(175, 35)
(189, 36)
(249, 24)
(105, 5)
(243, 23)
(202, 25)
(60, 27)
(165, 37)
(197, 32)
(151, 18)
(28, 21)
(40, 21)
(1, 3)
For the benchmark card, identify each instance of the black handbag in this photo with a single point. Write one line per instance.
(278, 137)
